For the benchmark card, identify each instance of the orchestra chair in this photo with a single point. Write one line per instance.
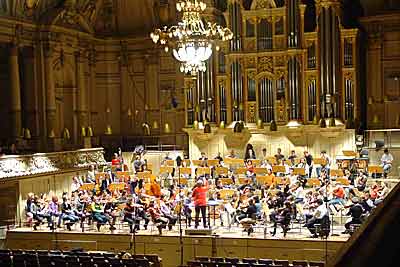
(86, 187)
(223, 171)
(265, 180)
(183, 181)
(241, 171)
(243, 181)
(259, 170)
(237, 161)
(226, 181)
(374, 170)
(203, 171)
(123, 176)
(256, 162)
(336, 173)
(313, 182)
(169, 162)
(228, 160)
(100, 176)
(227, 193)
(343, 181)
(187, 162)
(213, 162)
(166, 169)
(271, 160)
(278, 168)
(299, 171)
(146, 176)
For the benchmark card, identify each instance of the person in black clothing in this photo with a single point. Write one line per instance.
(356, 212)
(249, 153)
(67, 214)
(248, 217)
(282, 216)
(130, 215)
(309, 161)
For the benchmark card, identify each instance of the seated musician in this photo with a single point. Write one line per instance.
(137, 164)
(232, 154)
(249, 216)
(144, 202)
(219, 158)
(67, 213)
(166, 212)
(39, 211)
(54, 209)
(203, 156)
(356, 212)
(338, 198)
(320, 212)
(157, 217)
(110, 211)
(386, 162)
(28, 207)
(130, 215)
(282, 216)
(76, 184)
(117, 162)
(367, 203)
(187, 208)
(293, 178)
(80, 205)
(250, 171)
(106, 182)
(91, 175)
(98, 214)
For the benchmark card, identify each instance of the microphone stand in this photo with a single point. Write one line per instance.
(179, 214)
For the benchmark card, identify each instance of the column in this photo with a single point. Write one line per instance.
(16, 122)
(328, 13)
(50, 92)
(30, 95)
(125, 106)
(81, 91)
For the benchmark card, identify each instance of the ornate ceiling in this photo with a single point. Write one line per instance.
(121, 17)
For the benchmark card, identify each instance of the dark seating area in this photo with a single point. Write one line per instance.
(201, 261)
(57, 258)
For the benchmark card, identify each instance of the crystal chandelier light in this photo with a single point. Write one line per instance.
(191, 40)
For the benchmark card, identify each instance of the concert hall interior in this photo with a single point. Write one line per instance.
(199, 133)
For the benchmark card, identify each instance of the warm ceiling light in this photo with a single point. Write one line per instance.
(191, 40)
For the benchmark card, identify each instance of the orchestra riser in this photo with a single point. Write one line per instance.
(168, 248)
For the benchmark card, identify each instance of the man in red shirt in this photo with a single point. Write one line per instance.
(199, 196)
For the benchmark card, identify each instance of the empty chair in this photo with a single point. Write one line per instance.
(58, 260)
(217, 259)
(267, 262)
(44, 260)
(201, 258)
(284, 263)
(225, 264)
(31, 260)
(316, 264)
(232, 260)
(249, 260)
(300, 263)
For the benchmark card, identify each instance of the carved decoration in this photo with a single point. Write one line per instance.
(251, 75)
(250, 44)
(251, 112)
(279, 43)
(280, 108)
(348, 75)
(258, 4)
(280, 61)
(265, 64)
(250, 62)
(11, 166)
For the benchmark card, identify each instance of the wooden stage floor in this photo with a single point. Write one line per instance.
(223, 243)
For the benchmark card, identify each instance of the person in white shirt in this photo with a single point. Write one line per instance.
(76, 184)
(91, 175)
(327, 165)
(293, 178)
(386, 160)
(317, 217)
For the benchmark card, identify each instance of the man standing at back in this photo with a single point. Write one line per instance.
(386, 160)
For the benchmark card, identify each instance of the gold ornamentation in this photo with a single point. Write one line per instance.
(281, 109)
(250, 62)
(264, 4)
(265, 64)
(348, 75)
(251, 112)
(280, 61)
(251, 75)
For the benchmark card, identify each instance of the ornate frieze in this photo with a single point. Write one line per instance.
(265, 64)
(13, 166)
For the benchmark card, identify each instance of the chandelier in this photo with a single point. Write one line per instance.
(191, 40)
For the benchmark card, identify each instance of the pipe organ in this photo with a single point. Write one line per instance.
(273, 70)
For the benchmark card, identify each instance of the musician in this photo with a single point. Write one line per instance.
(279, 156)
(232, 154)
(67, 213)
(117, 162)
(281, 216)
(199, 195)
(137, 164)
(98, 214)
(76, 184)
(326, 166)
(54, 209)
(187, 210)
(317, 217)
(91, 175)
(367, 203)
(106, 182)
(110, 211)
(249, 153)
(130, 215)
(203, 156)
(355, 211)
(250, 171)
(386, 160)
(143, 201)
(219, 158)
(40, 211)
(292, 157)
(309, 162)
(156, 216)
(167, 213)
(249, 215)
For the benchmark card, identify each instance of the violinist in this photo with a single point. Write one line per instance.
(282, 216)
(98, 214)
(249, 216)
(110, 210)
(167, 213)
(143, 203)
(130, 215)
(317, 217)
(356, 212)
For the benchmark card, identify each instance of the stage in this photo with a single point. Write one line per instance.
(223, 242)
